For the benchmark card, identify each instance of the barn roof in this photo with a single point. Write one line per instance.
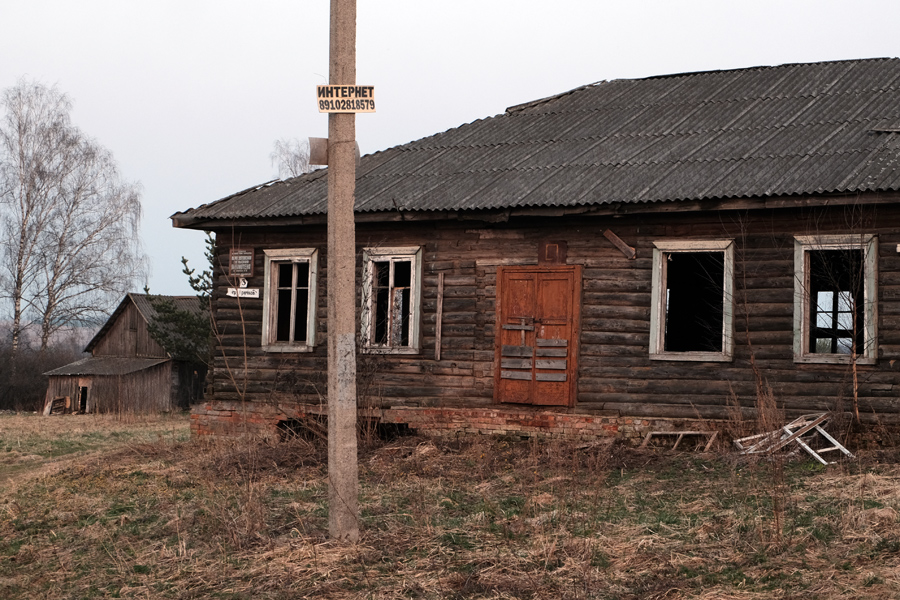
(107, 365)
(146, 310)
(817, 128)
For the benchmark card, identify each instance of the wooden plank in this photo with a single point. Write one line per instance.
(515, 363)
(521, 375)
(516, 351)
(558, 352)
(540, 342)
(551, 364)
(437, 321)
(627, 250)
(550, 376)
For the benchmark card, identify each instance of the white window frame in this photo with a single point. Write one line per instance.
(803, 245)
(658, 299)
(412, 254)
(270, 287)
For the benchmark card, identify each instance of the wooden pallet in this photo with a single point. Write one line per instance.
(807, 425)
(57, 406)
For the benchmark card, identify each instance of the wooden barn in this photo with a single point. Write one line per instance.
(128, 371)
(618, 258)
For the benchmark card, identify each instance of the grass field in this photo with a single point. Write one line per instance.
(94, 507)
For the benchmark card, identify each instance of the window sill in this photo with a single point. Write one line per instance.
(383, 350)
(693, 356)
(832, 359)
(288, 348)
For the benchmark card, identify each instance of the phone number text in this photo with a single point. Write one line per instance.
(346, 105)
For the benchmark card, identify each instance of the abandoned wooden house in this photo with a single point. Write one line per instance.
(613, 259)
(128, 370)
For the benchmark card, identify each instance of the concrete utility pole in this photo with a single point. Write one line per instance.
(343, 471)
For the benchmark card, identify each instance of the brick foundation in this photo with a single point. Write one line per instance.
(231, 418)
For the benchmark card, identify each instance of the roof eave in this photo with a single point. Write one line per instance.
(599, 209)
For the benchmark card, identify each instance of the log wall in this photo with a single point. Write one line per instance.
(615, 373)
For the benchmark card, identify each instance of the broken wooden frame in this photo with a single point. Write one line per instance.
(711, 435)
(770, 442)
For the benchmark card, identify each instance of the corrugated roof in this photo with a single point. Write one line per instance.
(757, 132)
(107, 365)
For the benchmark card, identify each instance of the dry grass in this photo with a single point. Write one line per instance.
(30, 444)
(159, 516)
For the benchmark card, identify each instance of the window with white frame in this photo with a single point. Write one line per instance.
(392, 280)
(692, 300)
(834, 298)
(289, 309)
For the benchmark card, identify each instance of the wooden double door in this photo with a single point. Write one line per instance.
(538, 317)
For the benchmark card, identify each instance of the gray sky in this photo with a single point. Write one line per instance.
(190, 95)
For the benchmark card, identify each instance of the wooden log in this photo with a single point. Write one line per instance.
(621, 299)
(602, 324)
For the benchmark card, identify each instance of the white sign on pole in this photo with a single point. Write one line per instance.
(346, 98)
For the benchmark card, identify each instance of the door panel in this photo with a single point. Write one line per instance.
(538, 314)
(520, 296)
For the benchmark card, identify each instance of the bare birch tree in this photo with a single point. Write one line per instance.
(291, 157)
(90, 253)
(70, 244)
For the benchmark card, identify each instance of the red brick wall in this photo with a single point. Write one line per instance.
(229, 418)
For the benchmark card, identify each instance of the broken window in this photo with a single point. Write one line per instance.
(289, 307)
(391, 299)
(692, 307)
(834, 319)
(836, 301)
(694, 285)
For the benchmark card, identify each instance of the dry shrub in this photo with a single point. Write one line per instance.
(769, 417)
(254, 457)
(768, 470)
(736, 426)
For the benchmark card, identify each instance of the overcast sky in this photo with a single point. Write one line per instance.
(190, 95)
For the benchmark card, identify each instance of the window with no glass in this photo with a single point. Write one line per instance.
(691, 317)
(834, 308)
(391, 292)
(290, 292)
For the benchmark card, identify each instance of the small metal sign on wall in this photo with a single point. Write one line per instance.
(242, 292)
(240, 262)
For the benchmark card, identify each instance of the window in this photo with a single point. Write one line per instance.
(691, 314)
(834, 298)
(391, 298)
(289, 309)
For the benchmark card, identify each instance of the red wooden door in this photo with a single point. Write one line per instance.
(538, 313)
